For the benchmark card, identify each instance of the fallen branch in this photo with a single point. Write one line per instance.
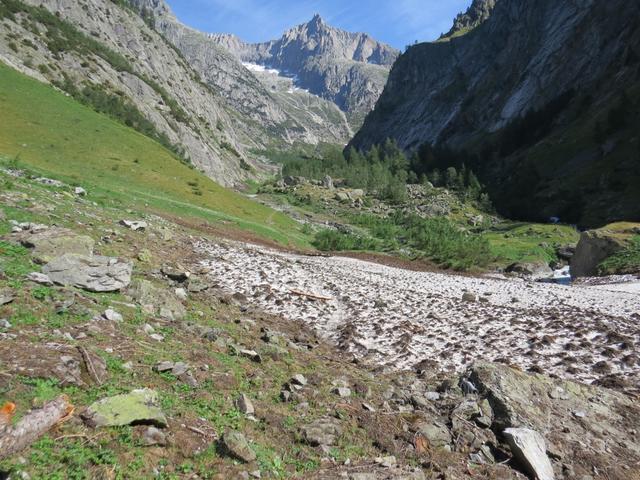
(310, 295)
(90, 366)
(33, 425)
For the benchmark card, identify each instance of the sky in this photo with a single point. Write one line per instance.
(396, 22)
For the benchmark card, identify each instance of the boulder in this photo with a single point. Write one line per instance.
(81, 192)
(237, 446)
(327, 182)
(157, 301)
(55, 242)
(534, 270)
(529, 448)
(137, 407)
(95, 273)
(40, 278)
(342, 197)
(436, 433)
(244, 405)
(594, 247)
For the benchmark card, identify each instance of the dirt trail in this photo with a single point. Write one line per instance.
(398, 318)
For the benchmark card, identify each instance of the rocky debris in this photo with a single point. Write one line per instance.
(55, 242)
(27, 227)
(81, 192)
(7, 295)
(112, 316)
(5, 324)
(387, 462)
(342, 392)
(236, 445)
(179, 369)
(156, 300)
(469, 297)
(322, 432)
(49, 182)
(40, 278)
(95, 274)
(594, 247)
(138, 406)
(529, 448)
(135, 225)
(244, 405)
(548, 406)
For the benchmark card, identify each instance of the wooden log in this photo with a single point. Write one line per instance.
(310, 295)
(14, 438)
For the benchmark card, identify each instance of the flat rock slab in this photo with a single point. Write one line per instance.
(95, 274)
(55, 242)
(529, 448)
(139, 406)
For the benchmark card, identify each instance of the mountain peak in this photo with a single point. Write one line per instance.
(316, 23)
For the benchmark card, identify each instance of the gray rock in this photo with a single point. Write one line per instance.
(529, 448)
(6, 296)
(237, 446)
(4, 323)
(81, 192)
(244, 405)
(342, 392)
(299, 379)
(95, 274)
(324, 431)
(135, 225)
(40, 278)
(327, 182)
(251, 354)
(176, 273)
(165, 366)
(112, 316)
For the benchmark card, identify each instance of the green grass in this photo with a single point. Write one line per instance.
(525, 242)
(56, 136)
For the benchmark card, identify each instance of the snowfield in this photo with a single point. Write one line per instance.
(404, 319)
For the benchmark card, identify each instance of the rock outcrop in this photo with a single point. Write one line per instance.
(594, 247)
(478, 13)
(541, 94)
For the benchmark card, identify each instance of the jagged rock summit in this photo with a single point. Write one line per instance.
(349, 69)
(476, 14)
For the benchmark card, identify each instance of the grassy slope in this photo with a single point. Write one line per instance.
(56, 136)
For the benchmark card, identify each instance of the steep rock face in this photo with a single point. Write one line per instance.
(155, 79)
(572, 61)
(223, 72)
(349, 69)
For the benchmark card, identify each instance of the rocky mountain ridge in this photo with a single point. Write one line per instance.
(349, 69)
(297, 118)
(550, 137)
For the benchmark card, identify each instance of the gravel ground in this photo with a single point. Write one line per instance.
(405, 319)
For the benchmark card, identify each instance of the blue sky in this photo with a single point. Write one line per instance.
(397, 22)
